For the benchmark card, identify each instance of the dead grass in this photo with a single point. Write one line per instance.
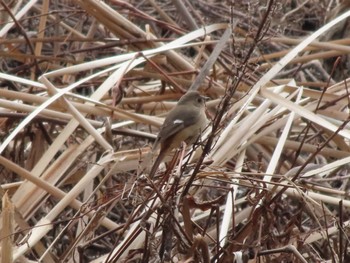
(85, 85)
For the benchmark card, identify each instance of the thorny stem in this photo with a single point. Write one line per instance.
(225, 102)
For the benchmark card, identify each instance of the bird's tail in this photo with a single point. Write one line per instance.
(157, 163)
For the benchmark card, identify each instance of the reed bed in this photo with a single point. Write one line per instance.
(85, 86)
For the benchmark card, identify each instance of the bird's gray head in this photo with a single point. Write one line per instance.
(192, 97)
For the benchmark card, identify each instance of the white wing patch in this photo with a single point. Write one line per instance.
(178, 121)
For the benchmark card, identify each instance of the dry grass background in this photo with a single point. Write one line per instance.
(85, 85)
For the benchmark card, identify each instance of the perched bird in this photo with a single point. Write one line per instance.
(184, 123)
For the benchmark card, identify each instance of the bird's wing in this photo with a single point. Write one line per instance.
(175, 122)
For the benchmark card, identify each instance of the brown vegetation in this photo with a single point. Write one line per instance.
(85, 86)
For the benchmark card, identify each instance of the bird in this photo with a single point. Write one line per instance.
(184, 123)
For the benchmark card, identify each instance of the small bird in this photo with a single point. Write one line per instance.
(184, 123)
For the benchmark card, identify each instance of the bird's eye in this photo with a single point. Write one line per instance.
(199, 100)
